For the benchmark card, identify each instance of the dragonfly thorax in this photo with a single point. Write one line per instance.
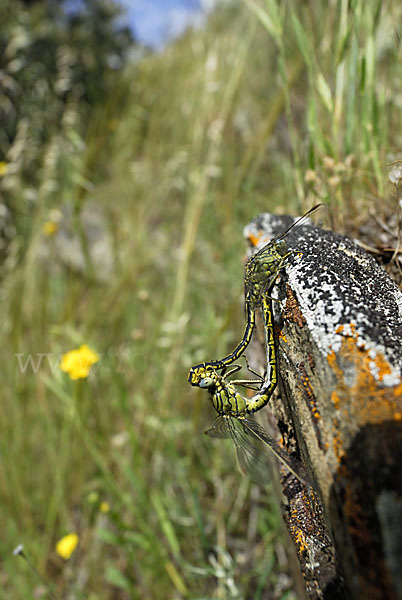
(225, 399)
(264, 264)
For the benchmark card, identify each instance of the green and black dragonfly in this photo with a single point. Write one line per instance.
(261, 271)
(253, 444)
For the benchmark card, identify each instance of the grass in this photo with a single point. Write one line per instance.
(270, 108)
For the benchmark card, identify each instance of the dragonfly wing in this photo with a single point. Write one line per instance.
(294, 466)
(264, 287)
(220, 428)
(268, 284)
(254, 448)
(252, 460)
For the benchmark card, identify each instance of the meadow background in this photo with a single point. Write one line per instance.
(126, 178)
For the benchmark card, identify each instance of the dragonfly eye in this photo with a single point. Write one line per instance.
(281, 247)
(207, 382)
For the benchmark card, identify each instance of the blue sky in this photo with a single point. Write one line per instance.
(154, 21)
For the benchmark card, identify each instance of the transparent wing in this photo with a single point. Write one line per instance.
(295, 467)
(220, 428)
(263, 287)
(266, 286)
(249, 384)
(252, 458)
(254, 449)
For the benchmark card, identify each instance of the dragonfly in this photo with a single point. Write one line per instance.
(253, 444)
(261, 270)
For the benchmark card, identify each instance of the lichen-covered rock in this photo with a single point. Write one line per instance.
(339, 332)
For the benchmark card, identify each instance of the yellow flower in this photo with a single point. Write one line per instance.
(3, 168)
(77, 363)
(66, 546)
(104, 507)
(50, 228)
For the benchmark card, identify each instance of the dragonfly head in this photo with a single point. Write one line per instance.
(281, 247)
(200, 373)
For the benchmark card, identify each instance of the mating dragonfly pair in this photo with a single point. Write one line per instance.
(253, 444)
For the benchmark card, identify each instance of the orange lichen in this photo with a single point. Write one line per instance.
(310, 394)
(305, 521)
(296, 531)
(299, 540)
(382, 366)
(281, 335)
(364, 401)
(254, 239)
(311, 401)
(335, 400)
(337, 444)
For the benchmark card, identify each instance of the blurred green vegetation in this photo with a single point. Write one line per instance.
(125, 185)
